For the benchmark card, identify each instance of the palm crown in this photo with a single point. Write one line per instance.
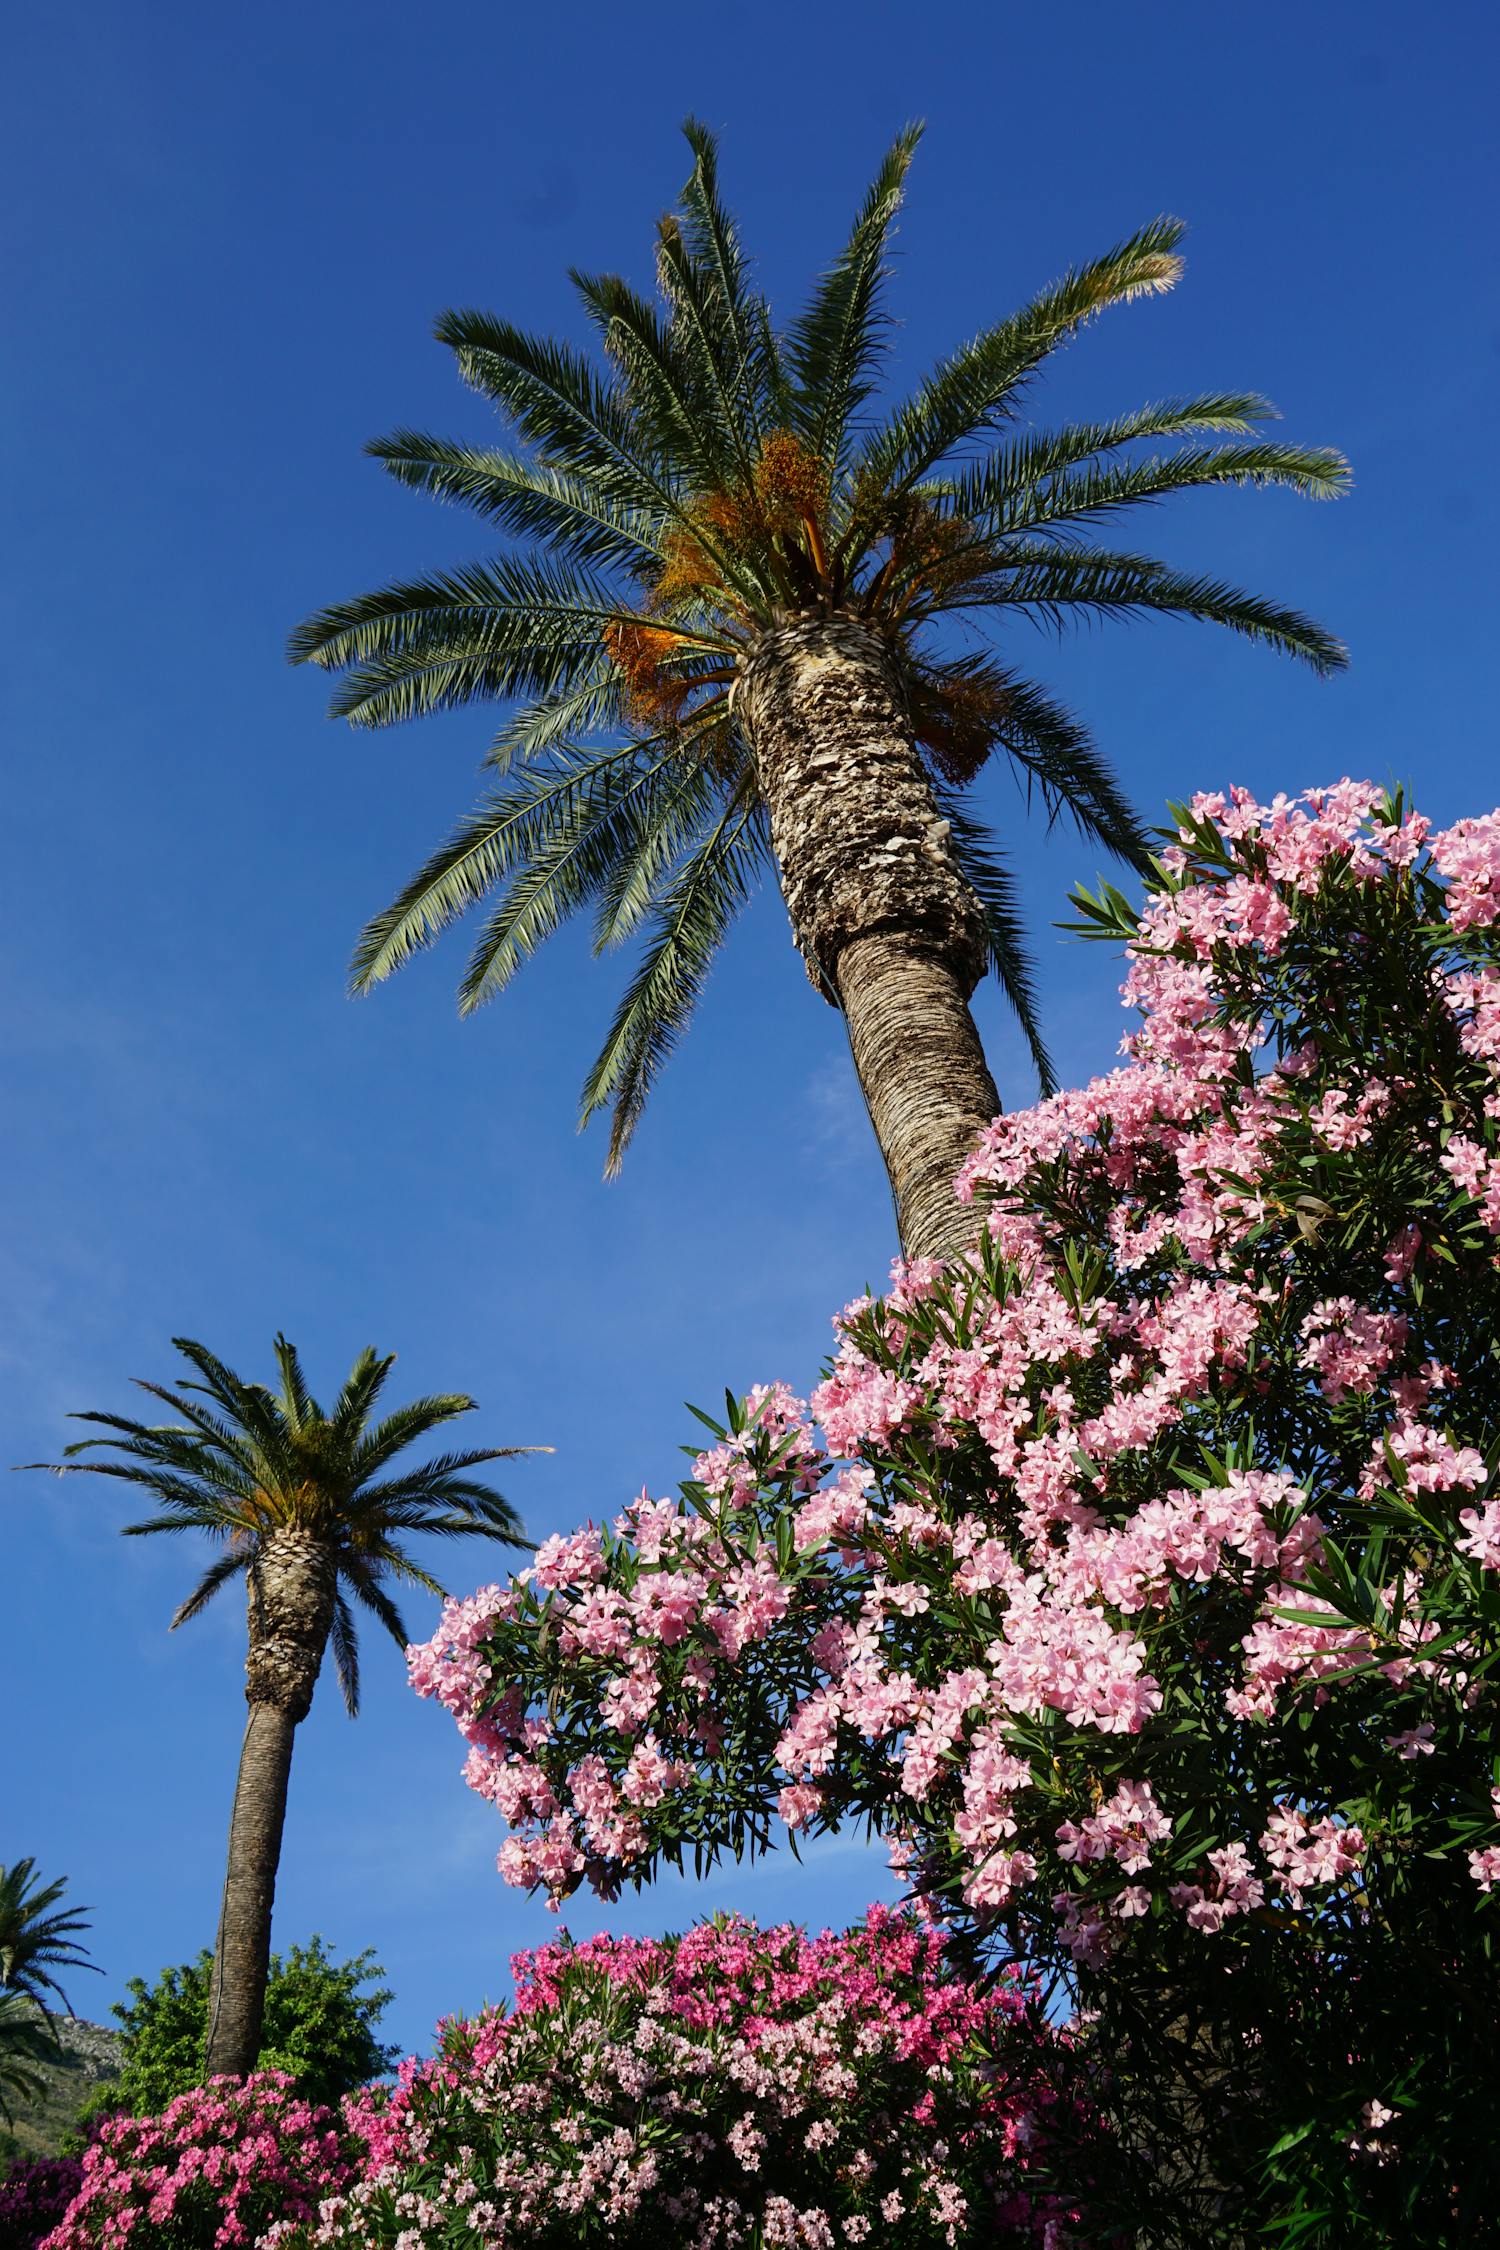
(38, 1935)
(248, 1465)
(713, 481)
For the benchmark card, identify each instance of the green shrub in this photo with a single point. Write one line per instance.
(319, 2029)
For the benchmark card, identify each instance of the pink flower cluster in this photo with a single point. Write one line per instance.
(218, 2166)
(1095, 1486)
(729, 2087)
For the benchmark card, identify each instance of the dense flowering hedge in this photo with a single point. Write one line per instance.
(731, 2087)
(34, 2194)
(1139, 1577)
(217, 2168)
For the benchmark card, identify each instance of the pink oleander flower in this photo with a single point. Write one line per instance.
(217, 2167)
(1469, 855)
(729, 2085)
(1130, 1577)
(1484, 1866)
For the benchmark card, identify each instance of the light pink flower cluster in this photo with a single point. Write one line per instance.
(1095, 1488)
(1309, 1854)
(220, 2164)
(1469, 855)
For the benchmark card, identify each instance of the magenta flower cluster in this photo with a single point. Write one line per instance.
(34, 2195)
(733, 2087)
(219, 2167)
(1108, 1488)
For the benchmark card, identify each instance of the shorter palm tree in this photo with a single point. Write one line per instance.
(301, 1505)
(38, 1936)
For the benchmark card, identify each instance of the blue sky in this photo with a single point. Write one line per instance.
(227, 234)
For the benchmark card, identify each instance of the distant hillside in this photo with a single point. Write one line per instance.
(90, 2058)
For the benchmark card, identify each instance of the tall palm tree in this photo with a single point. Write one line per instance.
(302, 1507)
(38, 1935)
(733, 616)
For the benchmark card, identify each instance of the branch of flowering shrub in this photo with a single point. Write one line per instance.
(732, 2086)
(214, 2171)
(1141, 1572)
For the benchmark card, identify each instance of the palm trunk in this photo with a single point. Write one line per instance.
(292, 1586)
(242, 1954)
(890, 931)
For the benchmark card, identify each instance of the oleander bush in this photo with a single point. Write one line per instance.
(34, 2194)
(217, 2169)
(735, 2086)
(1138, 1575)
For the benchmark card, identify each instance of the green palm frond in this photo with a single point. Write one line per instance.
(664, 826)
(247, 1407)
(213, 1520)
(680, 416)
(38, 1937)
(595, 703)
(444, 1484)
(366, 1588)
(345, 1642)
(711, 248)
(492, 840)
(363, 1385)
(298, 1406)
(514, 626)
(1033, 456)
(26, 2041)
(984, 869)
(1053, 754)
(383, 1558)
(685, 932)
(217, 1432)
(706, 338)
(835, 347)
(1065, 500)
(218, 1574)
(210, 1436)
(1058, 583)
(184, 1495)
(405, 1426)
(569, 856)
(523, 498)
(983, 382)
(578, 423)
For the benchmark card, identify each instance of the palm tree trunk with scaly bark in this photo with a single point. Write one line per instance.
(890, 931)
(292, 1591)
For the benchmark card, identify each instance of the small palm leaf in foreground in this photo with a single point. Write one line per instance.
(313, 1509)
(742, 619)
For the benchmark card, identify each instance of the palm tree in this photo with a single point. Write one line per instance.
(38, 1936)
(302, 1507)
(736, 618)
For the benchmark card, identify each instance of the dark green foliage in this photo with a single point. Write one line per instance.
(708, 480)
(320, 2026)
(25, 2043)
